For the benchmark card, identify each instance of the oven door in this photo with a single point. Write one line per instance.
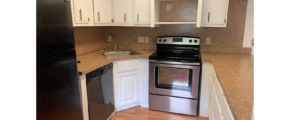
(174, 80)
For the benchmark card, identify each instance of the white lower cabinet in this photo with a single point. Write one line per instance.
(128, 85)
(131, 83)
(217, 107)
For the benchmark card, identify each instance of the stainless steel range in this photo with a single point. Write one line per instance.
(174, 75)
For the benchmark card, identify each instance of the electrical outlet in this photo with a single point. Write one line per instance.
(141, 39)
(253, 42)
(146, 39)
(109, 38)
(207, 40)
(168, 8)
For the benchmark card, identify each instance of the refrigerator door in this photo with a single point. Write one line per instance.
(58, 91)
(54, 27)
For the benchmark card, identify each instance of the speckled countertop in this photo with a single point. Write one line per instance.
(235, 73)
(94, 60)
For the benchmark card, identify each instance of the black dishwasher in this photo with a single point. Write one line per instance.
(100, 93)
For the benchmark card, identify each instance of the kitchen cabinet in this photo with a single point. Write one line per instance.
(214, 13)
(103, 15)
(213, 100)
(131, 83)
(122, 10)
(141, 12)
(127, 88)
(80, 11)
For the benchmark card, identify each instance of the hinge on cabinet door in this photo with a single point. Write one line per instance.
(225, 20)
(112, 20)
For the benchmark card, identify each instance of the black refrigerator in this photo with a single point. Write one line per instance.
(58, 90)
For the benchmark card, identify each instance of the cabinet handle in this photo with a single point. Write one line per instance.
(208, 16)
(98, 16)
(225, 20)
(81, 14)
(124, 17)
(88, 19)
(137, 18)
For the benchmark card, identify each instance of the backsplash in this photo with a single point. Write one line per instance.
(181, 11)
(89, 39)
(223, 40)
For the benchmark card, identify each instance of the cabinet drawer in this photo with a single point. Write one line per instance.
(213, 71)
(219, 93)
(123, 66)
(212, 81)
(226, 112)
(217, 111)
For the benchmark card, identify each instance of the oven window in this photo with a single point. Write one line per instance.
(173, 78)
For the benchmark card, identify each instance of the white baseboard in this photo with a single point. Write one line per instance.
(203, 113)
(127, 106)
(146, 105)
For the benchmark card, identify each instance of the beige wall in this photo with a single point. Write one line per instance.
(223, 40)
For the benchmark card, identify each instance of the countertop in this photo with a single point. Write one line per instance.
(93, 60)
(235, 73)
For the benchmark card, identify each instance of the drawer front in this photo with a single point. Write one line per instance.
(219, 93)
(217, 110)
(131, 65)
(173, 104)
(213, 72)
(212, 84)
(226, 112)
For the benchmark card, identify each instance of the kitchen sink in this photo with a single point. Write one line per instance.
(109, 54)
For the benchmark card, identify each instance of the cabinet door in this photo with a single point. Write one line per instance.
(211, 99)
(141, 12)
(214, 13)
(127, 88)
(122, 12)
(81, 11)
(102, 11)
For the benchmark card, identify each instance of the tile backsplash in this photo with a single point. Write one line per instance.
(223, 40)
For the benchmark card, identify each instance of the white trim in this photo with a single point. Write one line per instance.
(203, 113)
(124, 107)
(145, 105)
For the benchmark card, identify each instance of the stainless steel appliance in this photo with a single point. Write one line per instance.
(58, 92)
(100, 93)
(174, 75)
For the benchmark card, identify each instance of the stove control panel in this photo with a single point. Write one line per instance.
(179, 40)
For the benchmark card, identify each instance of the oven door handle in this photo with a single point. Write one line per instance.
(171, 62)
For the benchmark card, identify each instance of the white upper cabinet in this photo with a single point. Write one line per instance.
(80, 11)
(102, 12)
(122, 10)
(214, 13)
(141, 11)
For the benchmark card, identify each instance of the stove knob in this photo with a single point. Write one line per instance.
(164, 40)
(190, 41)
(160, 40)
(195, 41)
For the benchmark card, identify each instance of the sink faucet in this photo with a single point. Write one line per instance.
(115, 48)
(125, 46)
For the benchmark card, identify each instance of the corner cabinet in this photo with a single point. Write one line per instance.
(214, 13)
(131, 83)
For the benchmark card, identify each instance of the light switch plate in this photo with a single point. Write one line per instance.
(207, 40)
(109, 38)
(141, 39)
(146, 39)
